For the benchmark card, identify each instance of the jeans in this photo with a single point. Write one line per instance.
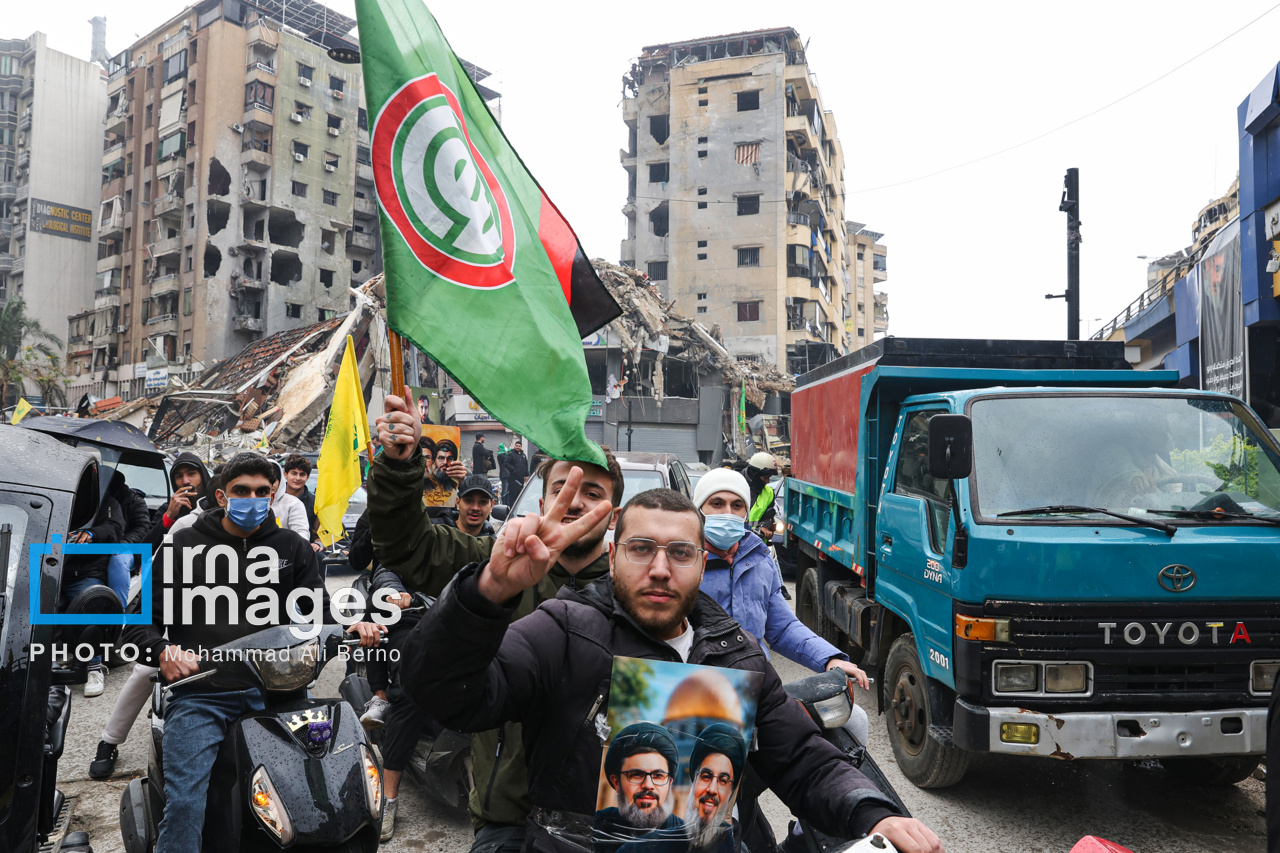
(195, 724)
(118, 571)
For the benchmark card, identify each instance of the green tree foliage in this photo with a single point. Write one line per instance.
(26, 350)
(631, 688)
(1230, 460)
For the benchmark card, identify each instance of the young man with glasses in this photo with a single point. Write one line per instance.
(427, 556)
(551, 670)
(640, 767)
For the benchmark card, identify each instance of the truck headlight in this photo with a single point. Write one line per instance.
(1066, 678)
(1263, 679)
(1017, 678)
(266, 804)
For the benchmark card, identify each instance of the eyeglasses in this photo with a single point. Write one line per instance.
(661, 778)
(706, 777)
(642, 551)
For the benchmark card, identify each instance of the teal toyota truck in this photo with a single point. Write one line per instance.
(1041, 552)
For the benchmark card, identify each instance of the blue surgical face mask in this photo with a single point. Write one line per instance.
(248, 513)
(724, 531)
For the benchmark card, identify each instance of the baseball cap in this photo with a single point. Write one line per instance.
(476, 483)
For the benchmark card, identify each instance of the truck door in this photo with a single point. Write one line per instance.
(913, 527)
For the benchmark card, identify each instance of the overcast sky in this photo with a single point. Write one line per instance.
(915, 88)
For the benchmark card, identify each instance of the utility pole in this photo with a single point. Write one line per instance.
(1070, 205)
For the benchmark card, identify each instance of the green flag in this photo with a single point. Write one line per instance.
(482, 271)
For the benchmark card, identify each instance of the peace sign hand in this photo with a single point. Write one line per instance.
(528, 547)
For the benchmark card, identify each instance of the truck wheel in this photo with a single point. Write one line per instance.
(1212, 771)
(925, 761)
(809, 611)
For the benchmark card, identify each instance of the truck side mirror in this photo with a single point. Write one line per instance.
(950, 447)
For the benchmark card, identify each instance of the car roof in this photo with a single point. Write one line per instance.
(638, 460)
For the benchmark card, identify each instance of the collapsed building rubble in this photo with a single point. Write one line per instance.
(653, 336)
(277, 388)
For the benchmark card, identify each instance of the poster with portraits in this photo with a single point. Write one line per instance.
(679, 735)
(1222, 356)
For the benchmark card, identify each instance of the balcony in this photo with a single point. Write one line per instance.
(364, 172)
(797, 218)
(244, 323)
(361, 241)
(6, 262)
(19, 264)
(24, 121)
(242, 282)
(110, 262)
(111, 153)
(167, 283)
(175, 162)
(798, 271)
(114, 122)
(24, 158)
(168, 203)
(628, 158)
(28, 87)
(8, 189)
(162, 323)
(364, 207)
(20, 230)
(263, 67)
(6, 230)
(165, 247)
(23, 193)
(106, 297)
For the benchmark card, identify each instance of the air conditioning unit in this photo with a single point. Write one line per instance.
(88, 339)
(238, 128)
(304, 81)
(329, 167)
(120, 330)
(299, 157)
(296, 118)
(333, 131)
(337, 93)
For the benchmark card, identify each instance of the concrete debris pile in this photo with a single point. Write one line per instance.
(277, 388)
(649, 322)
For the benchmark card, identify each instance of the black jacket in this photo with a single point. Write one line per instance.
(216, 621)
(155, 537)
(481, 458)
(517, 466)
(137, 518)
(107, 528)
(551, 672)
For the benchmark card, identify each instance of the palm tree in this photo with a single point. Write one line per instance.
(24, 343)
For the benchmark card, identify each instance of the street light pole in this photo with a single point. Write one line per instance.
(1070, 205)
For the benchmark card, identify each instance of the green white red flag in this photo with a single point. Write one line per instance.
(482, 272)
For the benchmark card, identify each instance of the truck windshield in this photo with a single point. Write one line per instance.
(1134, 455)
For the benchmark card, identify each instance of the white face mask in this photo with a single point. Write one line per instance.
(725, 531)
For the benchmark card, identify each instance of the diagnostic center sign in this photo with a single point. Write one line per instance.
(49, 217)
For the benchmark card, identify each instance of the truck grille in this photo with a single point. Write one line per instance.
(1157, 656)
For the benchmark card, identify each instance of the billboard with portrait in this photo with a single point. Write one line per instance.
(678, 740)
(1222, 314)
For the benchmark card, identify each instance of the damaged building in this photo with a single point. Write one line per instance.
(278, 388)
(661, 381)
(735, 194)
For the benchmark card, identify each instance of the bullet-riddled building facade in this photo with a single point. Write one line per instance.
(735, 185)
(227, 205)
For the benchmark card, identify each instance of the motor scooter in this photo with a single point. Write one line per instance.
(299, 774)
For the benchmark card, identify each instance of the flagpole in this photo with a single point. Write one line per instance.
(397, 362)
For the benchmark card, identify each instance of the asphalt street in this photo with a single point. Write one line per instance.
(1004, 804)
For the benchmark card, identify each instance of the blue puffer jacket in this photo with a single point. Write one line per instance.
(751, 591)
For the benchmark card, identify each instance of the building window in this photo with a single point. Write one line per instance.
(702, 154)
(325, 314)
(151, 77)
(303, 110)
(702, 309)
(702, 90)
(175, 66)
(702, 102)
(362, 118)
(748, 312)
(305, 71)
(862, 332)
(702, 256)
(147, 116)
(658, 270)
(748, 101)
(256, 136)
(299, 189)
(260, 95)
(748, 205)
(331, 161)
(326, 278)
(878, 263)
(702, 140)
(748, 153)
(660, 128)
(301, 148)
(330, 198)
(293, 309)
(659, 173)
(702, 205)
(702, 297)
(749, 257)
(859, 254)
(702, 244)
(186, 302)
(702, 190)
(362, 155)
(336, 84)
(335, 123)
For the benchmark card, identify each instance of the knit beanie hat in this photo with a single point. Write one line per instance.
(721, 480)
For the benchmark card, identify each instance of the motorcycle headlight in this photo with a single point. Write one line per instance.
(289, 669)
(834, 712)
(266, 804)
(372, 782)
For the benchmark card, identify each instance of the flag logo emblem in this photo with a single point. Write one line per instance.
(438, 190)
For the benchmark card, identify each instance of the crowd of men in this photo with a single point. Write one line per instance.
(510, 635)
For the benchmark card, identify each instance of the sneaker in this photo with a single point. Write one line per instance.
(375, 713)
(786, 593)
(95, 685)
(104, 763)
(388, 819)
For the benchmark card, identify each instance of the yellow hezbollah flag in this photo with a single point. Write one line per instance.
(345, 436)
(21, 411)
